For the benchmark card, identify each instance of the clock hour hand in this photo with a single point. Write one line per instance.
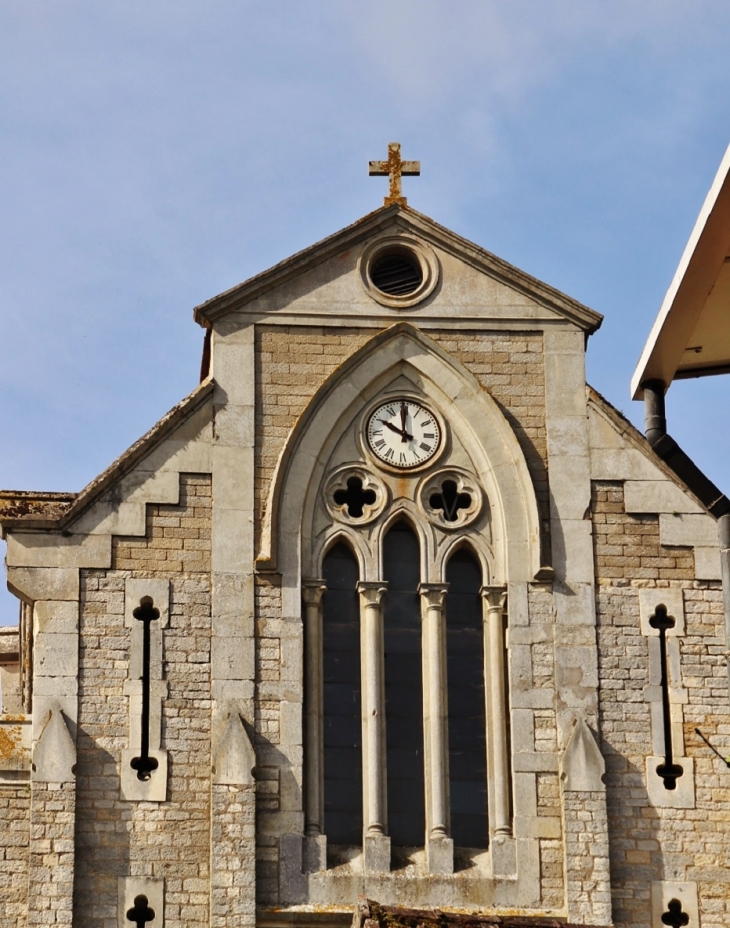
(403, 434)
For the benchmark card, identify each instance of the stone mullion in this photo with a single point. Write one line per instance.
(495, 600)
(312, 592)
(440, 847)
(376, 846)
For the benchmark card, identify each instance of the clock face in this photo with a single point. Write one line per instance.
(403, 433)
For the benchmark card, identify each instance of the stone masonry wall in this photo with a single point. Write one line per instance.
(116, 837)
(511, 366)
(269, 769)
(15, 825)
(291, 364)
(648, 843)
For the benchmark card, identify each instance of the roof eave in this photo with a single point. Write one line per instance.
(701, 260)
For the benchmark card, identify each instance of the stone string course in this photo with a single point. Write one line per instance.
(649, 843)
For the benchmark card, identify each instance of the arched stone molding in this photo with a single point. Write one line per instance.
(473, 414)
(355, 542)
(473, 543)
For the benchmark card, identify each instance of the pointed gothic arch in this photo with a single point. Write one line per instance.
(472, 413)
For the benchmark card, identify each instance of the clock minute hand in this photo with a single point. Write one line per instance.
(403, 434)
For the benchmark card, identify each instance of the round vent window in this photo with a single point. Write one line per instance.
(399, 270)
(397, 273)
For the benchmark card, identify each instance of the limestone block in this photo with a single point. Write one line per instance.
(376, 853)
(664, 891)
(582, 766)
(602, 433)
(623, 464)
(31, 549)
(677, 528)
(56, 655)
(658, 496)
(232, 548)
(570, 486)
(575, 603)
(517, 604)
(504, 857)
(121, 511)
(440, 855)
(523, 730)
(228, 360)
(683, 796)
(232, 658)
(55, 618)
(234, 426)
(233, 478)
(129, 887)
(180, 456)
(152, 790)
(536, 762)
(670, 597)
(568, 435)
(54, 755)
(292, 882)
(563, 395)
(34, 583)
(707, 563)
(573, 550)
(234, 757)
(135, 590)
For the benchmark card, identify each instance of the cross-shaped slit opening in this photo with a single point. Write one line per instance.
(140, 913)
(674, 917)
(354, 497)
(450, 501)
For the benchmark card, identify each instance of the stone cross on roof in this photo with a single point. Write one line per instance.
(394, 168)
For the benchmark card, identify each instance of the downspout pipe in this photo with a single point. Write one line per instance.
(716, 503)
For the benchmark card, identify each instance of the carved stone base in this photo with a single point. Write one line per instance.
(376, 853)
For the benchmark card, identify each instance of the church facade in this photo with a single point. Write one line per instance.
(391, 605)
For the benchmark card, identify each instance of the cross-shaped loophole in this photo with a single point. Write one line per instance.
(674, 916)
(661, 619)
(140, 913)
(354, 497)
(450, 500)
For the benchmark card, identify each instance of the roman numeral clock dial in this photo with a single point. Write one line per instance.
(403, 434)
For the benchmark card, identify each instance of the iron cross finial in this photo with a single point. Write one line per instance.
(394, 169)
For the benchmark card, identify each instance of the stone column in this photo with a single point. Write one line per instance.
(495, 600)
(315, 846)
(439, 847)
(376, 845)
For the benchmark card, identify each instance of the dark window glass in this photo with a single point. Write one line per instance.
(403, 687)
(341, 697)
(467, 712)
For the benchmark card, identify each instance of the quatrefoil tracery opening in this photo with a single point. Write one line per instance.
(355, 498)
(450, 501)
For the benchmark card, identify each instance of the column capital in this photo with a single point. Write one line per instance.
(434, 594)
(312, 591)
(372, 591)
(495, 596)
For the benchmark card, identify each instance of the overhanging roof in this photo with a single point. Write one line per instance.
(691, 334)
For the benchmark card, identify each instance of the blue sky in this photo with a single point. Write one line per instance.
(157, 153)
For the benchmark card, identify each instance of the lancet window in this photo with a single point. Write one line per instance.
(406, 704)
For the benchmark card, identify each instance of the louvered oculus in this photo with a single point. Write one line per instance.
(397, 272)
(403, 434)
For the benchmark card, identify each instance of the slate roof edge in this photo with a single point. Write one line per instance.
(629, 431)
(584, 317)
(118, 468)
